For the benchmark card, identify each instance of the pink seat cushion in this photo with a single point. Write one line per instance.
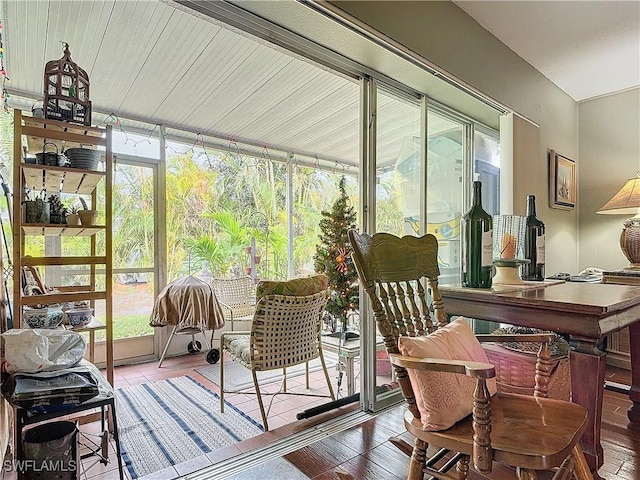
(445, 398)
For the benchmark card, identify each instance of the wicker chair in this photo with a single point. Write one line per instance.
(525, 432)
(237, 297)
(285, 332)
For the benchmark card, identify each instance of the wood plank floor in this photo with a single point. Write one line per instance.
(365, 452)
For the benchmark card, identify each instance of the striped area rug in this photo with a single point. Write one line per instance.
(171, 421)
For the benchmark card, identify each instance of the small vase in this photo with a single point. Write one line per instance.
(73, 219)
(57, 219)
(247, 270)
(88, 217)
(257, 259)
(247, 250)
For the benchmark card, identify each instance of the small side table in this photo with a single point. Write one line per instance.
(348, 350)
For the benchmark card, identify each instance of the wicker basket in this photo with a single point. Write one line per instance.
(516, 371)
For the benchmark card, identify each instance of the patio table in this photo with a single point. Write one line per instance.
(348, 351)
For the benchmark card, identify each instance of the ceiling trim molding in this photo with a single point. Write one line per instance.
(349, 21)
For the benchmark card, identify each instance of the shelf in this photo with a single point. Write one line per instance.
(63, 134)
(63, 297)
(60, 179)
(27, 177)
(92, 325)
(59, 230)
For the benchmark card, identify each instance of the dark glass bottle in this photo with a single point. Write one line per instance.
(533, 244)
(477, 243)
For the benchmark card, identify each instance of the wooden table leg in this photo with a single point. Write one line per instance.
(634, 392)
(587, 365)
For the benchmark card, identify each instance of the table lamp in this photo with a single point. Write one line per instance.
(627, 200)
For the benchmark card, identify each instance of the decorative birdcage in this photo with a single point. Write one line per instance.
(66, 90)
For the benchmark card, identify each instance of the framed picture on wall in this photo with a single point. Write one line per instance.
(563, 189)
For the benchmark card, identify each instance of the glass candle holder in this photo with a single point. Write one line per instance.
(508, 237)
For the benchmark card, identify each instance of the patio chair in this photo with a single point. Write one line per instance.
(447, 382)
(285, 332)
(237, 297)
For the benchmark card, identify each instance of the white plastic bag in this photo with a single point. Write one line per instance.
(40, 350)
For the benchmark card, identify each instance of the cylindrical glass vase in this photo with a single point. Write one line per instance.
(508, 237)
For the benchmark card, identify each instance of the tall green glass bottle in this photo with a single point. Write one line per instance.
(477, 243)
(533, 244)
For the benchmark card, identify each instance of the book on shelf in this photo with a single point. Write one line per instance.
(622, 276)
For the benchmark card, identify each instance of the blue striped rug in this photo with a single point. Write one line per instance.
(171, 421)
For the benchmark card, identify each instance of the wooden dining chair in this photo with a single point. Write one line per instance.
(285, 332)
(447, 382)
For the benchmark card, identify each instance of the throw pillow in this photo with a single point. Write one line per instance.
(297, 287)
(445, 398)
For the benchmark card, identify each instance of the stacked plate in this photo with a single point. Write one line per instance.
(83, 158)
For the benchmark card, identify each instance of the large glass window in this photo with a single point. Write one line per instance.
(397, 165)
(486, 164)
(445, 204)
(221, 203)
(411, 185)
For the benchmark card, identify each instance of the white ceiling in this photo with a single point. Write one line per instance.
(587, 48)
(151, 63)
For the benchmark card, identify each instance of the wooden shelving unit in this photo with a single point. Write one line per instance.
(34, 132)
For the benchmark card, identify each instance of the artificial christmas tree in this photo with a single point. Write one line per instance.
(333, 258)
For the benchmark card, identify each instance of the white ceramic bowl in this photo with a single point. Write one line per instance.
(78, 317)
(47, 317)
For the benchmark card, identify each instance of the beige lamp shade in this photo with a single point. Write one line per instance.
(627, 201)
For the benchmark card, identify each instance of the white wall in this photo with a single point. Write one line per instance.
(609, 141)
(449, 38)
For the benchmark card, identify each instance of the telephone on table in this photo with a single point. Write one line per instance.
(589, 274)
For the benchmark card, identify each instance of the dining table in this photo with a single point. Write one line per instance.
(583, 312)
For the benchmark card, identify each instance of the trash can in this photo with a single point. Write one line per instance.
(51, 452)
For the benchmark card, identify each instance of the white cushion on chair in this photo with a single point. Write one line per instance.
(239, 348)
(444, 398)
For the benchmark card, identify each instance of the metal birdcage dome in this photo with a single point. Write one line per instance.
(66, 90)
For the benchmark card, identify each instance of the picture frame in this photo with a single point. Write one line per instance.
(563, 188)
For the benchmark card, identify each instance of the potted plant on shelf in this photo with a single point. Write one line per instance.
(57, 209)
(87, 217)
(73, 218)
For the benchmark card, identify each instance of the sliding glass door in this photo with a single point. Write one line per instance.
(417, 159)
